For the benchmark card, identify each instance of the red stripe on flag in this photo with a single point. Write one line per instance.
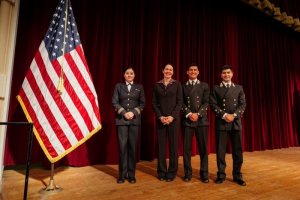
(81, 55)
(76, 100)
(47, 111)
(57, 98)
(37, 124)
(82, 83)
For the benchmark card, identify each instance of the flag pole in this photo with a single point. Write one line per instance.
(51, 187)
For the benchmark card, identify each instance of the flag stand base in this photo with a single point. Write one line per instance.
(51, 187)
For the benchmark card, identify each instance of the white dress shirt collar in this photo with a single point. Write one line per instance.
(223, 84)
(195, 81)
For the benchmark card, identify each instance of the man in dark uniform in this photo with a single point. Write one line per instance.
(129, 101)
(229, 103)
(195, 105)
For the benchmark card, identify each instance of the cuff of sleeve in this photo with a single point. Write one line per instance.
(188, 115)
(137, 110)
(224, 116)
(121, 111)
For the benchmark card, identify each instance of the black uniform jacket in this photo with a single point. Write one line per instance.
(125, 101)
(195, 100)
(228, 100)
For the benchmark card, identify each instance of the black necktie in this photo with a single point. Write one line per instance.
(227, 85)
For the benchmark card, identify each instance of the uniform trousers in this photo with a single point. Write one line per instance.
(127, 138)
(235, 137)
(201, 133)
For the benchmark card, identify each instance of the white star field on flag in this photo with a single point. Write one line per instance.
(54, 39)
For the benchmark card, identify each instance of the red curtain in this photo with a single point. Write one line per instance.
(148, 34)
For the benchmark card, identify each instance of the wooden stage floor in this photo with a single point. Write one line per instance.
(271, 174)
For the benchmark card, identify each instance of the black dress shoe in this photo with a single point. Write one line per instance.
(186, 178)
(204, 180)
(169, 179)
(161, 178)
(120, 180)
(219, 180)
(131, 180)
(240, 182)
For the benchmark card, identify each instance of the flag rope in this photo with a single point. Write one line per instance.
(61, 77)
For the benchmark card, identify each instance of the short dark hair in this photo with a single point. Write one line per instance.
(192, 64)
(126, 68)
(225, 67)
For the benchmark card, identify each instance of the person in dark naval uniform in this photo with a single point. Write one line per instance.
(229, 103)
(167, 103)
(195, 105)
(128, 100)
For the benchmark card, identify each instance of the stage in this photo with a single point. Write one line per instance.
(270, 174)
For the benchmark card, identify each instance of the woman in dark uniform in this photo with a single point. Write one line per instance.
(167, 102)
(128, 100)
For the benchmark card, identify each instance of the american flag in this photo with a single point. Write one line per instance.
(63, 117)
